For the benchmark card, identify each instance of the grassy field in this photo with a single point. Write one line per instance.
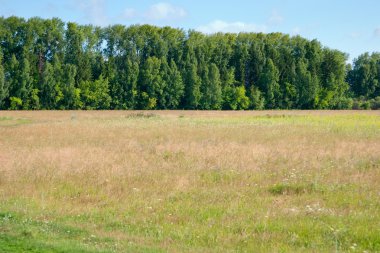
(119, 181)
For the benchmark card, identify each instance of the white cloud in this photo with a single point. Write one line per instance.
(94, 11)
(354, 35)
(165, 11)
(129, 13)
(296, 31)
(51, 7)
(377, 32)
(276, 18)
(233, 27)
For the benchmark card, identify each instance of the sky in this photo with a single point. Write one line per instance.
(352, 26)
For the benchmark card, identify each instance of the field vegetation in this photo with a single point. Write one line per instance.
(189, 181)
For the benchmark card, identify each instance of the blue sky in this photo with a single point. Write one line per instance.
(352, 26)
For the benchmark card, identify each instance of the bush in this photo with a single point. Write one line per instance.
(375, 103)
(365, 105)
(356, 105)
(344, 104)
(16, 103)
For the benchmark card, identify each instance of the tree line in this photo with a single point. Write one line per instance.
(49, 64)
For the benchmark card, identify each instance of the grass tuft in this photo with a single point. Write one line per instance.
(142, 115)
(293, 189)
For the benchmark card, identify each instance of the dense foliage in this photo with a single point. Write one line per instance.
(47, 64)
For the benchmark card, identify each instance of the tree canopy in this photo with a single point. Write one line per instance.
(49, 64)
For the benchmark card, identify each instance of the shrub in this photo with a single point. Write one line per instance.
(375, 103)
(344, 104)
(16, 103)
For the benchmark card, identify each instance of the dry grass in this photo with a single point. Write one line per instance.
(190, 181)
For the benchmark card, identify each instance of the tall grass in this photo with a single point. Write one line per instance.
(296, 181)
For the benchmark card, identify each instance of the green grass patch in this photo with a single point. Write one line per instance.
(142, 115)
(294, 189)
(10, 122)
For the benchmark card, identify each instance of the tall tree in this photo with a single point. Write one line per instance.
(26, 84)
(71, 94)
(48, 88)
(211, 87)
(269, 84)
(4, 92)
(151, 84)
(192, 87)
(12, 76)
(332, 81)
(257, 100)
(307, 87)
(364, 78)
(174, 89)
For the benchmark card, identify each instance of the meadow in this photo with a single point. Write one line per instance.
(189, 181)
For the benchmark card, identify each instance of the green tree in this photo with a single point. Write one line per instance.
(269, 84)
(95, 95)
(229, 91)
(26, 83)
(192, 87)
(78, 50)
(174, 89)
(19, 80)
(289, 96)
(257, 100)
(211, 88)
(12, 78)
(364, 78)
(4, 89)
(332, 85)
(241, 98)
(71, 94)
(229, 98)
(307, 87)
(48, 87)
(152, 83)
(130, 81)
(16, 103)
(34, 100)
